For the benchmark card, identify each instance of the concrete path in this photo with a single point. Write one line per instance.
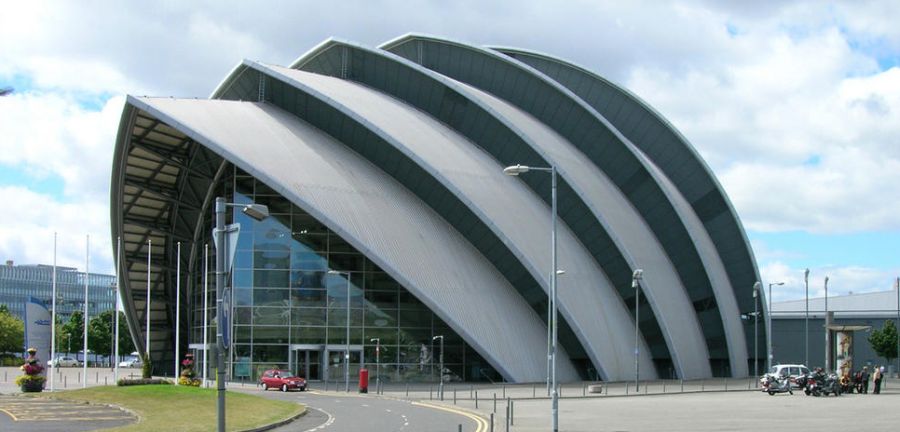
(27, 414)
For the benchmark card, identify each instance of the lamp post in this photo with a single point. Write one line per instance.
(257, 212)
(377, 363)
(515, 170)
(440, 367)
(806, 319)
(827, 331)
(756, 287)
(769, 332)
(347, 354)
(636, 284)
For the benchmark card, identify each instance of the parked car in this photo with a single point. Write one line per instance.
(282, 380)
(796, 373)
(131, 363)
(64, 361)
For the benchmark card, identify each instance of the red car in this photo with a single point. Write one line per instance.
(281, 379)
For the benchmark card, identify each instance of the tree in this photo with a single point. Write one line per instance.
(74, 330)
(12, 332)
(884, 341)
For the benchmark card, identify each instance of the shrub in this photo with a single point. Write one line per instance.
(142, 381)
(185, 381)
(28, 379)
(147, 367)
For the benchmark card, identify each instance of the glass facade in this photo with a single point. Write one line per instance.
(18, 283)
(289, 312)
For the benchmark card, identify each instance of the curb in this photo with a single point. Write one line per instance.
(279, 423)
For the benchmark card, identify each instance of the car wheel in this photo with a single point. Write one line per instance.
(284, 388)
(771, 393)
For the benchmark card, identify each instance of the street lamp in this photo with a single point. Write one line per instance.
(377, 363)
(347, 355)
(769, 316)
(257, 212)
(827, 331)
(806, 319)
(440, 367)
(515, 170)
(636, 284)
(756, 287)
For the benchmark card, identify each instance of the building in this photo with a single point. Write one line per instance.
(387, 163)
(853, 318)
(19, 283)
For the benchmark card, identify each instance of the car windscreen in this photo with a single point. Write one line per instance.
(285, 374)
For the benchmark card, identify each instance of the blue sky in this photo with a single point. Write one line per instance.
(794, 105)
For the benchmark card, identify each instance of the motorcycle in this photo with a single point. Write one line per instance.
(772, 384)
(820, 384)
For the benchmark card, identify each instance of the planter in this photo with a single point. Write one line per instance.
(32, 387)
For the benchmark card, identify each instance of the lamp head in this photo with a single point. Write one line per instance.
(756, 287)
(515, 170)
(256, 211)
(806, 274)
(636, 276)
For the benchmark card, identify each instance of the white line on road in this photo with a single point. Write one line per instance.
(323, 425)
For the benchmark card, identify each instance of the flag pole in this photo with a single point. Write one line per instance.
(177, 311)
(87, 273)
(205, 309)
(53, 320)
(116, 311)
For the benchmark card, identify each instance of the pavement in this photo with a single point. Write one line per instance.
(707, 405)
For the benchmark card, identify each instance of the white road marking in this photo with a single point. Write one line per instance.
(323, 425)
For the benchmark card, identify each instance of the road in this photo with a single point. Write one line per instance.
(343, 412)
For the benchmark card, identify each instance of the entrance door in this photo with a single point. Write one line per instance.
(306, 364)
(336, 365)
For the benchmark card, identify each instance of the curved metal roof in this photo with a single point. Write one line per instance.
(377, 216)
(558, 108)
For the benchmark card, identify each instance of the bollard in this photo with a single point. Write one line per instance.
(664, 386)
(702, 385)
(476, 400)
(726, 383)
(105, 380)
(512, 412)
(79, 377)
(5, 377)
(495, 402)
(626, 389)
(454, 395)
(459, 428)
(96, 377)
(682, 385)
(65, 381)
(430, 389)
(584, 389)
(407, 389)
(646, 388)
(533, 391)
(507, 418)
(504, 391)
(492, 422)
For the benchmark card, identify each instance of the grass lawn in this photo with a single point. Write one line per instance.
(180, 408)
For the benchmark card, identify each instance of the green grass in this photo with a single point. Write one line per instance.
(180, 408)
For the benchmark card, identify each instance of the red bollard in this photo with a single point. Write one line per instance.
(363, 380)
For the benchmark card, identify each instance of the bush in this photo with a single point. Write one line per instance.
(185, 381)
(143, 381)
(27, 379)
(147, 367)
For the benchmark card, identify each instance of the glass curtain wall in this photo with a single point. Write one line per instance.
(290, 313)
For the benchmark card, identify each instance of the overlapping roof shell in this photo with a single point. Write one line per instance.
(400, 150)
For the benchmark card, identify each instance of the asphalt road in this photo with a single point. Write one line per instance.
(343, 412)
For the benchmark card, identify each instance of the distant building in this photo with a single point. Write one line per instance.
(18, 283)
(854, 317)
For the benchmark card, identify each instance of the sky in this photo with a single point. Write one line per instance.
(794, 105)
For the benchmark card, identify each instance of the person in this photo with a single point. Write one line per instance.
(864, 379)
(876, 379)
(845, 383)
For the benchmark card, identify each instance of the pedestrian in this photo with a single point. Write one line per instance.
(864, 379)
(876, 378)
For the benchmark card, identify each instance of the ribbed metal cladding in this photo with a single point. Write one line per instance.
(514, 213)
(400, 151)
(559, 109)
(675, 156)
(377, 216)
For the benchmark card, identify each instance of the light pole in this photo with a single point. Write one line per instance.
(347, 354)
(827, 331)
(515, 170)
(756, 287)
(806, 320)
(440, 367)
(377, 363)
(769, 316)
(257, 212)
(636, 284)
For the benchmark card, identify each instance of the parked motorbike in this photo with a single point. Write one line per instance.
(821, 384)
(772, 384)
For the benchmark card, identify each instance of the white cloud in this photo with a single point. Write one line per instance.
(26, 234)
(842, 280)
